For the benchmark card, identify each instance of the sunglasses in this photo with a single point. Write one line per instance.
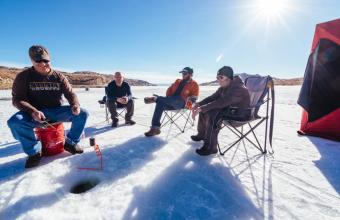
(221, 77)
(185, 73)
(42, 61)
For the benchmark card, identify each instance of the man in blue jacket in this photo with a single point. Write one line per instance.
(119, 95)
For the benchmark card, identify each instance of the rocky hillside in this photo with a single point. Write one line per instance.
(77, 79)
(277, 81)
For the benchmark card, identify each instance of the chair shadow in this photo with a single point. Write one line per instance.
(93, 131)
(263, 189)
(329, 162)
(193, 188)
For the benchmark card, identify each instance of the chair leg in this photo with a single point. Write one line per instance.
(219, 149)
(107, 114)
(186, 122)
(120, 114)
(242, 135)
(173, 117)
(258, 143)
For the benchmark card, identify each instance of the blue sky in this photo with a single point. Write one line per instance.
(154, 39)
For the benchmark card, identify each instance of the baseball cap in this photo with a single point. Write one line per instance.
(187, 70)
(38, 53)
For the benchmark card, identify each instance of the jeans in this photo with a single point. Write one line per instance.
(165, 103)
(22, 125)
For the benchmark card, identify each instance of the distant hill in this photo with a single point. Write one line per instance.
(277, 81)
(77, 79)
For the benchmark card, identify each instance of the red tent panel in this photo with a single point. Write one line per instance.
(327, 126)
(329, 30)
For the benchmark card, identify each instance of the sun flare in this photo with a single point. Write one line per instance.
(271, 9)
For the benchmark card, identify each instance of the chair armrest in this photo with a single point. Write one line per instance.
(238, 114)
(190, 100)
(193, 99)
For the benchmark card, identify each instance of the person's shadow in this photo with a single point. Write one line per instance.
(193, 188)
(31, 202)
(14, 167)
(329, 162)
(119, 161)
(10, 149)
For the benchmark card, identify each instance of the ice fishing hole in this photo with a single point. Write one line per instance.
(84, 185)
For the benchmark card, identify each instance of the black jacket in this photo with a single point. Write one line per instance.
(113, 91)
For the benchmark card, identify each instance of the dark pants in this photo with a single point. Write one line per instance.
(113, 105)
(207, 128)
(165, 103)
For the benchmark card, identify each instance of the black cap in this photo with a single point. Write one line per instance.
(187, 70)
(226, 71)
(38, 53)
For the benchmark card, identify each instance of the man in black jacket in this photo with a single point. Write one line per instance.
(118, 95)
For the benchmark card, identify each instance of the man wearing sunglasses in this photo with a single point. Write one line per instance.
(231, 93)
(176, 97)
(37, 93)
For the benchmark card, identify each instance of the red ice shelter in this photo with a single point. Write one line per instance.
(320, 92)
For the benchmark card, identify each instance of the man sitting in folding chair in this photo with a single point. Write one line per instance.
(231, 92)
(118, 95)
(261, 91)
(176, 98)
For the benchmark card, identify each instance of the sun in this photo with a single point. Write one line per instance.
(270, 9)
(269, 13)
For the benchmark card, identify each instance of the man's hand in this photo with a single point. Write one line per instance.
(195, 106)
(120, 100)
(75, 109)
(38, 116)
(123, 100)
(195, 112)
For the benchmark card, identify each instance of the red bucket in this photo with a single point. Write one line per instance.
(52, 139)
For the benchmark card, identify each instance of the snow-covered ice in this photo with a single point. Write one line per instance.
(162, 177)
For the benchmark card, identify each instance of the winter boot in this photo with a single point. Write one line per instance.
(33, 160)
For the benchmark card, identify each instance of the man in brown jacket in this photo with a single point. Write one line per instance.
(231, 93)
(37, 93)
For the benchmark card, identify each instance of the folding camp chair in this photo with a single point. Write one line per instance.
(172, 116)
(103, 104)
(261, 91)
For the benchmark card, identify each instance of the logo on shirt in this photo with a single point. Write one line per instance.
(44, 86)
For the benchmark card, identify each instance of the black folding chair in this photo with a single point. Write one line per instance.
(261, 91)
(172, 116)
(103, 104)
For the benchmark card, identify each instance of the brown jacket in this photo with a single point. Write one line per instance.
(32, 91)
(235, 95)
(190, 89)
